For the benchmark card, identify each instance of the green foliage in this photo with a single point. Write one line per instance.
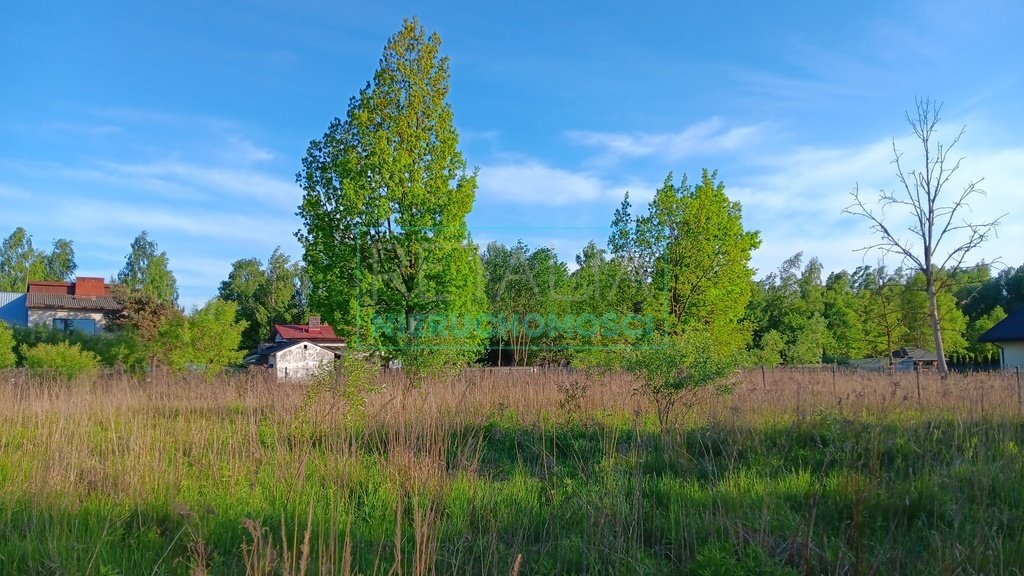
(62, 360)
(769, 350)
(20, 262)
(7, 356)
(679, 371)
(722, 559)
(521, 283)
(114, 349)
(386, 196)
(147, 272)
(265, 295)
(701, 276)
(917, 318)
(206, 340)
(983, 351)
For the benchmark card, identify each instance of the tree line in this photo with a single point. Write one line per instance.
(150, 329)
(389, 261)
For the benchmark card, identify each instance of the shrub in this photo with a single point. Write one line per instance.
(65, 360)
(120, 348)
(7, 357)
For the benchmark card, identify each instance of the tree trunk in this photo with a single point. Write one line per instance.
(933, 313)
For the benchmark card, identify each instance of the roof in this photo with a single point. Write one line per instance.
(69, 302)
(321, 333)
(915, 354)
(1009, 329)
(260, 356)
(85, 293)
(12, 308)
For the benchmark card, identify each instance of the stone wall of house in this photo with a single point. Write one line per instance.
(45, 317)
(300, 362)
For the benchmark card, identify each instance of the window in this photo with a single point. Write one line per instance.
(83, 325)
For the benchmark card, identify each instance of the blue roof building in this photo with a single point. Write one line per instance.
(13, 308)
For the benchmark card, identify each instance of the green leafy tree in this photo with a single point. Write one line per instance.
(147, 271)
(264, 295)
(917, 316)
(60, 264)
(702, 276)
(809, 344)
(769, 350)
(20, 262)
(843, 322)
(880, 297)
(690, 254)
(7, 356)
(386, 195)
(523, 288)
(138, 322)
(983, 351)
(206, 340)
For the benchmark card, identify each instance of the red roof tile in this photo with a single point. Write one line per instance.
(303, 332)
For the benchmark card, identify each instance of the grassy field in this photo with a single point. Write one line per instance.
(512, 473)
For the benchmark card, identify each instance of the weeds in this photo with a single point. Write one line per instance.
(499, 472)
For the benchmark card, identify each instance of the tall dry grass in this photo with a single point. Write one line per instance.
(491, 471)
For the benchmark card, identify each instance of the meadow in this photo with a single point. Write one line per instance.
(512, 472)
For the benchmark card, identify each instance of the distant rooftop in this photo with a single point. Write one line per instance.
(85, 293)
(1009, 329)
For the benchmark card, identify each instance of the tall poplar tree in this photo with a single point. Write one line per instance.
(384, 210)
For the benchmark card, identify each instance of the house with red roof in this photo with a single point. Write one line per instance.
(315, 331)
(298, 351)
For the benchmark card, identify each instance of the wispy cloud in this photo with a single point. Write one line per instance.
(215, 181)
(535, 183)
(206, 192)
(709, 136)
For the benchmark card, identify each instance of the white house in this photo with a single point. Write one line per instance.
(1008, 336)
(297, 360)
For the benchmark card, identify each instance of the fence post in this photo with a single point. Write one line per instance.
(834, 393)
(917, 369)
(763, 385)
(1018, 390)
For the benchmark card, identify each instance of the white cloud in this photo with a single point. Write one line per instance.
(709, 136)
(534, 183)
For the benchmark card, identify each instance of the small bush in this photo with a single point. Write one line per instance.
(65, 360)
(7, 357)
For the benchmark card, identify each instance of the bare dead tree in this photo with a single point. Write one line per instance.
(934, 215)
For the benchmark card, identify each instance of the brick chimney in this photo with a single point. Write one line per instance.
(87, 286)
(314, 323)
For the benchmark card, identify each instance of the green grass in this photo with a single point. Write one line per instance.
(176, 478)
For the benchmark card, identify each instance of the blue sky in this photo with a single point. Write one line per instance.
(189, 119)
